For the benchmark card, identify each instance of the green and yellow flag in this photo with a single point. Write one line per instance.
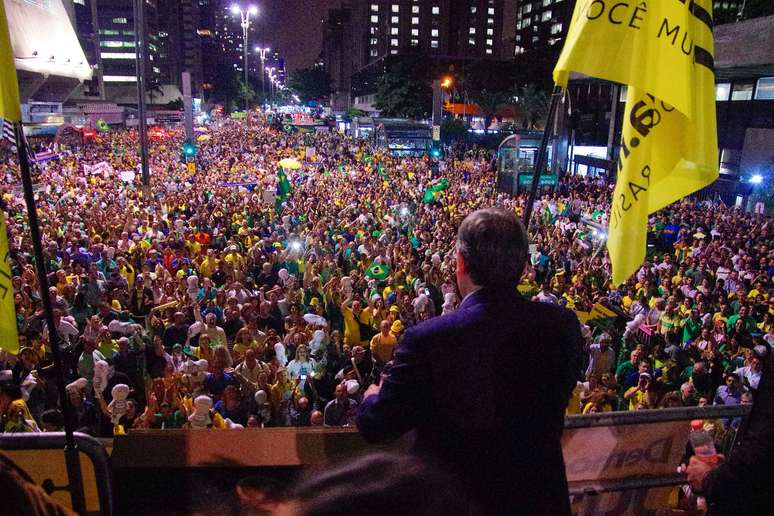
(9, 110)
(377, 271)
(664, 52)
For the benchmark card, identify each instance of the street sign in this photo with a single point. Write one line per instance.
(436, 133)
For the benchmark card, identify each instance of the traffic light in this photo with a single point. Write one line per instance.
(189, 149)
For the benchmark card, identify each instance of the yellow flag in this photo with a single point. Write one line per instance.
(9, 339)
(9, 88)
(664, 52)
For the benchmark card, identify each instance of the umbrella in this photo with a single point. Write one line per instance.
(315, 320)
(290, 163)
(203, 138)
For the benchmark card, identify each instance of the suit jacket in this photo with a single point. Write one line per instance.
(486, 387)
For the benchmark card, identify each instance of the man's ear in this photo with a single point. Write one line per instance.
(460, 263)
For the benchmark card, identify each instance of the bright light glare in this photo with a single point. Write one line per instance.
(404, 211)
(253, 9)
(296, 246)
(235, 9)
(756, 179)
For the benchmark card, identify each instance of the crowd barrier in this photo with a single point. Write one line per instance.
(616, 462)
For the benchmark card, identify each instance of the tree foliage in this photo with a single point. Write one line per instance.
(490, 101)
(310, 83)
(405, 89)
(246, 93)
(533, 104)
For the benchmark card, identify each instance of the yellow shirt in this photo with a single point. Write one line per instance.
(382, 347)
(351, 327)
(208, 266)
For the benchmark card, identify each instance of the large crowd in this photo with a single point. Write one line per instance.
(224, 297)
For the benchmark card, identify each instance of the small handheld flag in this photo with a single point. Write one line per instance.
(378, 271)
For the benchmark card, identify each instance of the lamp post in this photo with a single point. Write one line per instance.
(270, 72)
(262, 54)
(245, 17)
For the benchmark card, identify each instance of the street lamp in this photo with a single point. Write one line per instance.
(262, 54)
(245, 17)
(270, 73)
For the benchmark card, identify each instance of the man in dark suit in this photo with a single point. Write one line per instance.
(485, 387)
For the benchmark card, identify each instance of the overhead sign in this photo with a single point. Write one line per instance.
(525, 180)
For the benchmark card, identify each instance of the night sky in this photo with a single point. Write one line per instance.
(294, 27)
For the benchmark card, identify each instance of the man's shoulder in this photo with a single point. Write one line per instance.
(518, 308)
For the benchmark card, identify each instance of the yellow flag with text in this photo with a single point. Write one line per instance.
(9, 110)
(663, 51)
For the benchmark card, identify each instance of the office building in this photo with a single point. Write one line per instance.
(541, 24)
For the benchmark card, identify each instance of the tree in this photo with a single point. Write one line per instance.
(176, 104)
(246, 93)
(153, 88)
(489, 102)
(533, 104)
(354, 113)
(225, 84)
(405, 88)
(310, 83)
(453, 129)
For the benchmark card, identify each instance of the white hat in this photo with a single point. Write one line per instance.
(352, 387)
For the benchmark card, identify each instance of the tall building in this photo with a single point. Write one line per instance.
(185, 31)
(541, 24)
(359, 34)
(451, 28)
(115, 20)
(84, 19)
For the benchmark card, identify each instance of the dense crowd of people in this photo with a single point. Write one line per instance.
(225, 297)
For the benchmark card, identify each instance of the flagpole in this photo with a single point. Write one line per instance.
(72, 459)
(541, 157)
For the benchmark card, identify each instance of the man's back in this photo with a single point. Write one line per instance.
(486, 387)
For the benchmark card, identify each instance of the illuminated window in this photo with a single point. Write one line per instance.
(111, 44)
(394, 31)
(415, 9)
(414, 42)
(472, 42)
(395, 19)
(518, 50)
(434, 43)
(415, 20)
(375, 18)
(434, 33)
(526, 9)
(394, 42)
(436, 9)
(374, 53)
(119, 78)
(374, 41)
(415, 32)
(375, 8)
(545, 16)
(490, 11)
(395, 8)
(490, 32)
(473, 9)
(489, 42)
(120, 21)
(488, 50)
(556, 28)
(472, 30)
(490, 21)
(116, 55)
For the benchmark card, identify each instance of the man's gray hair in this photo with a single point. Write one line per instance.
(494, 246)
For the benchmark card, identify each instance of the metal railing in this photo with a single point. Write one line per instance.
(639, 417)
(90, 446)
(102, 465)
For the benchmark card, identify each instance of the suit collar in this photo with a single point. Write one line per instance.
(485, 294)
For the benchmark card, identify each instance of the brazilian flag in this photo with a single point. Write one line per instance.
(283, 185)
(433, 192)
(381, 172)
(377, 271)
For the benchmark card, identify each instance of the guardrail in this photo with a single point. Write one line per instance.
(87, 444)
(615, 460)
